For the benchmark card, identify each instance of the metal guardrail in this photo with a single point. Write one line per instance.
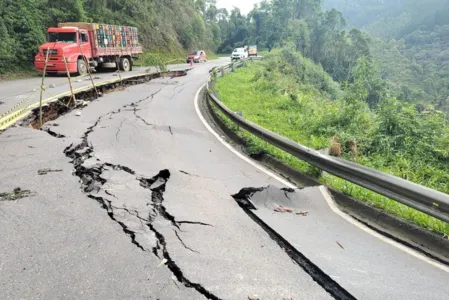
(426, 200)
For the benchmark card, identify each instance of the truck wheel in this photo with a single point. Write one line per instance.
(125, 64)
(82, 67)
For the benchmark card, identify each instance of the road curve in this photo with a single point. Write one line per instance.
(133, 200)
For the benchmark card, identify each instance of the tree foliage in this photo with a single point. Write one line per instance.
(163, 25)
(410, 44)
(317, 34)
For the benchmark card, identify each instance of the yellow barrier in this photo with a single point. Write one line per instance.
(17, 105)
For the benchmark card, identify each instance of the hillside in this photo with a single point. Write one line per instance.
(164, 26)
(410, 42)
(392, 19)
(307, 106)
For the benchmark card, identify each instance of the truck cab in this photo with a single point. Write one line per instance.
(69, 43)
(78, 47)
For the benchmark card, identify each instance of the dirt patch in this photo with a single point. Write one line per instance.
(49, 113)
(173, 74)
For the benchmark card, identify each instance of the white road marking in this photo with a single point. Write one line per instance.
(252, 163)
(330, 201)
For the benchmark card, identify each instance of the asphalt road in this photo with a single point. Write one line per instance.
(134, 201)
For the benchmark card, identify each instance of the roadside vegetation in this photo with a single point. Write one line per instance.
(410, 42)
(167, 30)
(289, 94)
(383, 90)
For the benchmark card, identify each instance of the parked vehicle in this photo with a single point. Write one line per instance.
(197, 56)
(88, 45)
(239, 53)
(252, 50)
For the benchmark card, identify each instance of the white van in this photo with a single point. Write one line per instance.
(239, 53)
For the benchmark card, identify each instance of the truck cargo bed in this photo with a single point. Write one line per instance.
(108, 40)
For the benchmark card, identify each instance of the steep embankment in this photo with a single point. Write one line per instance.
(290, 95)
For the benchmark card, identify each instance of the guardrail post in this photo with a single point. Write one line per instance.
(239, 113)
(232, 67)
(215, 75)
(222, 71)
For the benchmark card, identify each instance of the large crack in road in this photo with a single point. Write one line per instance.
(139, 224)
(243, 199)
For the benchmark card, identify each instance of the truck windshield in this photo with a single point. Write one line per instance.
(66, 37)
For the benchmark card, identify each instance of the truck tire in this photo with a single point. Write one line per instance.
(81, 67)
(125, 64)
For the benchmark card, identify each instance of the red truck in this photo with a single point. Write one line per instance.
(88, 45)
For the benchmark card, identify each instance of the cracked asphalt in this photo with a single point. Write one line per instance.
(22, 92)
(133, 200)
(142, 208)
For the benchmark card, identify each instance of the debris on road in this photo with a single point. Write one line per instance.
(52, 86)
(287, 298)
(341, 246)
(254, 297)
(283, 209)
(304, 213)
(46, 171)
(16, 194)
(78, 114)
(163, 262)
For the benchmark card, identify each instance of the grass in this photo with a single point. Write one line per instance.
(19, 74)
(293, 119)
